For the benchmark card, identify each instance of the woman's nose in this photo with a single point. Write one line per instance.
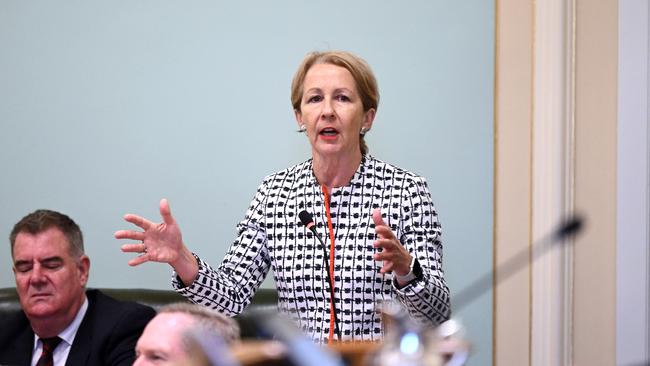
(328, 110)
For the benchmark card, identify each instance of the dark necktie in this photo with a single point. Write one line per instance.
(49, 344)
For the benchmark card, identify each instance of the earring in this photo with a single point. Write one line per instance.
(363, 131)
(302, 129)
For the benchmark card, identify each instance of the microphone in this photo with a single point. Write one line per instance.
(570, 227)
(308, 220)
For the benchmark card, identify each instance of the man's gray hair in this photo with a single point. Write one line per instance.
(208, 321)
(41, 220)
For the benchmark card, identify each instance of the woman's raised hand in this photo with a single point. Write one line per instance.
(393, 254)
(159, 242)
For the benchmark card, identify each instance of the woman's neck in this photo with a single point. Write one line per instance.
(335, 171)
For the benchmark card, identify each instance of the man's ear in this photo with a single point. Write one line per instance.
(84, 269)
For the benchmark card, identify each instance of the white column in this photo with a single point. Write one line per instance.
(552, 186)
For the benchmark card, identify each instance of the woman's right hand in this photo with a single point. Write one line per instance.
(159, 242)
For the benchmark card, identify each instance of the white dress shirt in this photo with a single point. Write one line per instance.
(61, 352)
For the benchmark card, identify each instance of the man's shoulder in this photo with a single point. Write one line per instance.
(109, 305)
(108, 317)
(109, 331)
(12, 323)
(16, 337)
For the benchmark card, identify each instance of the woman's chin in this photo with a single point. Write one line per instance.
(333, 150)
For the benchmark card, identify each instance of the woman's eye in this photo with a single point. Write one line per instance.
(314, 99)
(343, 98)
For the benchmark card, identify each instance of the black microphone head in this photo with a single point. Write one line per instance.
(571, 227)
(306, 218)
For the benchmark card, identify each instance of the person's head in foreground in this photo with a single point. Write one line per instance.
(170, 337)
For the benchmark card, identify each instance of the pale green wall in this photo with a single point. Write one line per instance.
(105, 107)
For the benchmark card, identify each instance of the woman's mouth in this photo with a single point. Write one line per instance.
(328, 133)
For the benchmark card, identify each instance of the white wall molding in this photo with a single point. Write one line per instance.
(633, 185)
(553, 172)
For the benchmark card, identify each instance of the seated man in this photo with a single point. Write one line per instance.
(186, 334)
(61, 323)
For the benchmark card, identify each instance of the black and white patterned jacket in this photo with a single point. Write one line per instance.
(272, 236)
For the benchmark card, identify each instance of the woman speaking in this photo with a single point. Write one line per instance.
(342, 231)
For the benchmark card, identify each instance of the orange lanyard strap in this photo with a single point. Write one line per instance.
(331, 259)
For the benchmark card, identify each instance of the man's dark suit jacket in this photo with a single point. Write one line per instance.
(107, 334)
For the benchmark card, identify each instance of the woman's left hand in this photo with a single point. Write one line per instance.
(395, 257)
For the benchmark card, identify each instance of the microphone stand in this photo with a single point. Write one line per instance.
(308, 220)
(515, 263)
(329, 280)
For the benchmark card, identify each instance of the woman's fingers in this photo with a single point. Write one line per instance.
(381, 228)
(387, 267)
(387, 244)
(129, 234)
(144, 257)
(376, 218)
(393, 255)
(134, 248)
(166, 212)
(158, 242)
(384, 232)
(139, 221)
(387, 255)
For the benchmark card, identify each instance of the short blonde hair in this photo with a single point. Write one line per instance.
(360, 70)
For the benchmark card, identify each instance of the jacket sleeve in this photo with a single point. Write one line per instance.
(427, 298)
(230, 287)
